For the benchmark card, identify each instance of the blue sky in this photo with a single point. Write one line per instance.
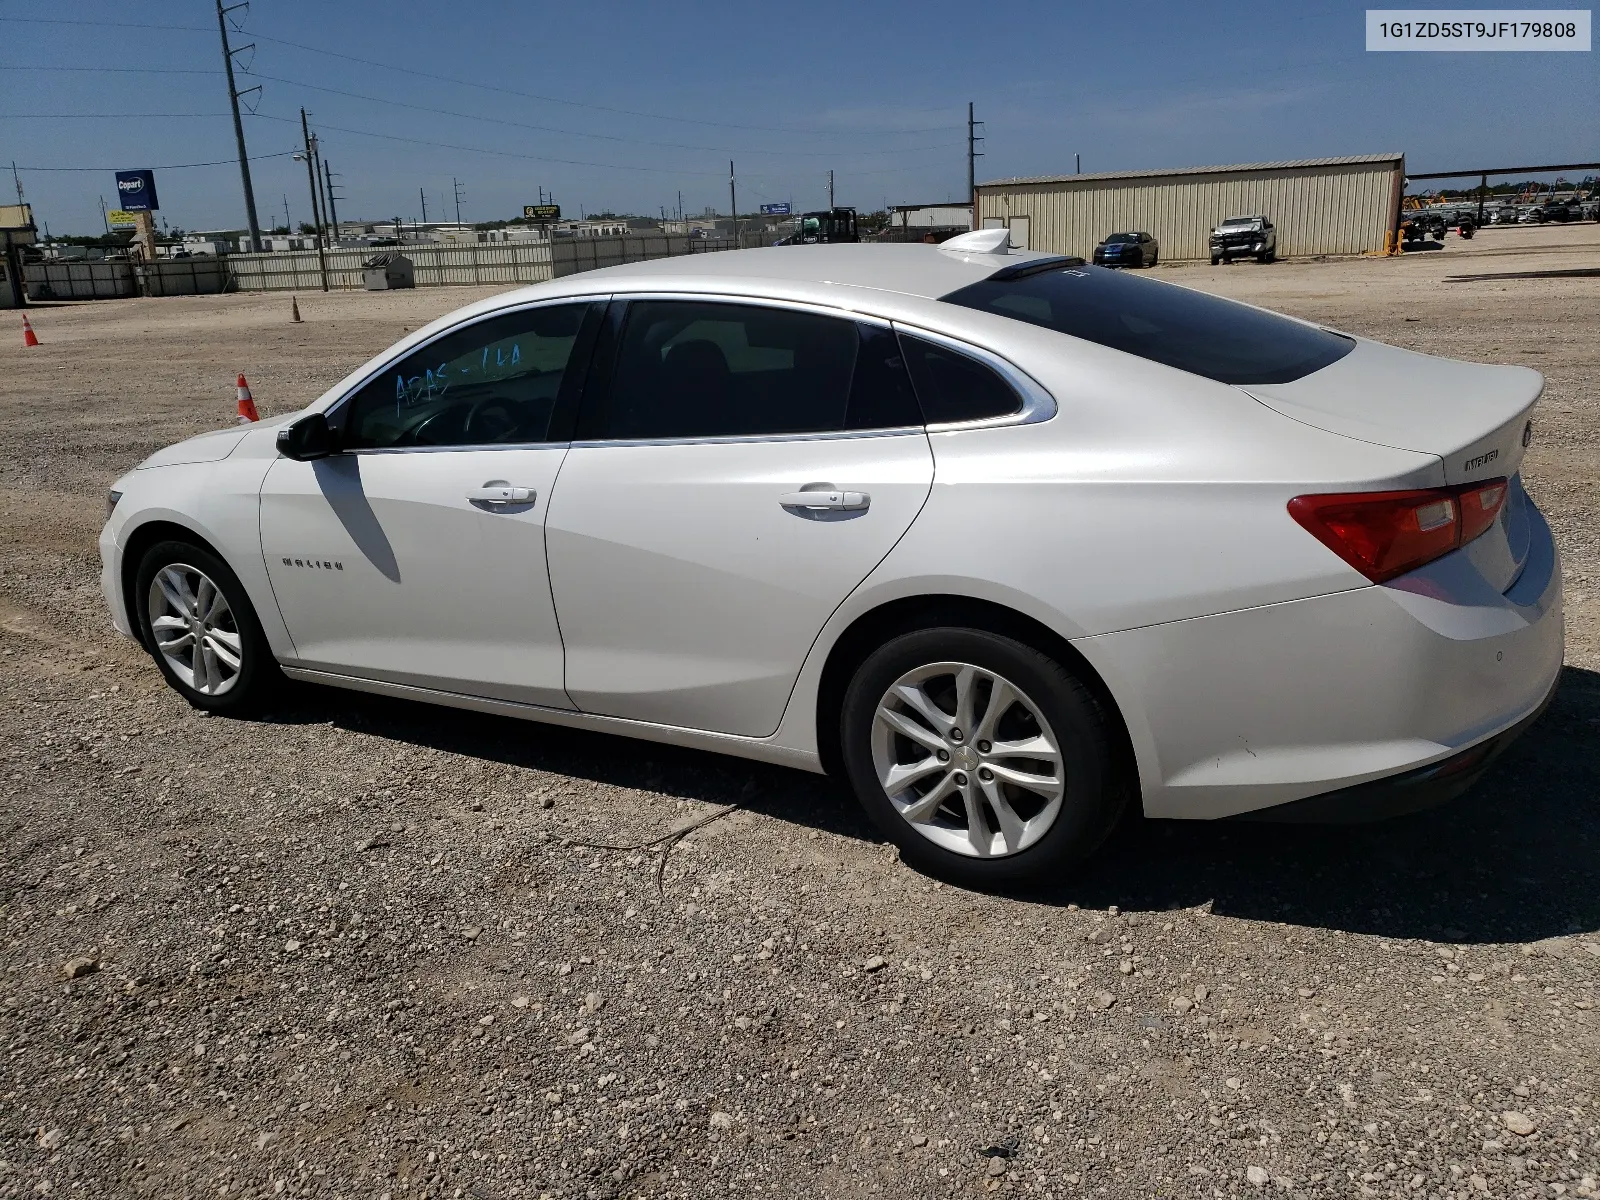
(621, 106)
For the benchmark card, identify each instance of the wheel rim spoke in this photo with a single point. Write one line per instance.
(175, 589)
(963, 731)
(220, 652)
(978, 833)
(1043, 784)
(918, 699)
(903, 775)
(905, 725)
(1012, 827)
(924, 807)
(1001, 697)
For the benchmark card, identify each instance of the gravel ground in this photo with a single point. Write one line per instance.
(355, 949)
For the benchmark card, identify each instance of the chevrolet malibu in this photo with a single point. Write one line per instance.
(1010, 543)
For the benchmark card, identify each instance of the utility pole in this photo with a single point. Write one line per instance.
(238, 124)
(288, 228)
(1077, 164)
(457, 188)
(973, 154)
(311, 178)
(16, 179)
(316, 158)
(733, 203)
(333, 213)
(830, 189)
(680, 204)
(423, 196)
(103, 219)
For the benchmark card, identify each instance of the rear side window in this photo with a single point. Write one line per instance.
(706, 369)
(955, 387)
(1204, 335)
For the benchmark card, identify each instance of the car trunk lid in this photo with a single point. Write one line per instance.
(1475, 418)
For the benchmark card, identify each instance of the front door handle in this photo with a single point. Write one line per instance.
(826, 501)
(498, 495)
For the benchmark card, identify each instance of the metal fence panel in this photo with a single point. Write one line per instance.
(90, 279)
(507, 263)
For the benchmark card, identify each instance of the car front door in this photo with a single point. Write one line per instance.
(743, 467)
(416, 553)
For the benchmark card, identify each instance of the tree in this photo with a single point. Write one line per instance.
(307, 227)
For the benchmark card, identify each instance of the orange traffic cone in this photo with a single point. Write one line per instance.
(29, 337)
(247, 406)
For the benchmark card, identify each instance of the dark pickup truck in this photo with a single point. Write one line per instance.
(1240, 237)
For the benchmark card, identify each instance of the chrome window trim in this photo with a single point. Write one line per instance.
(478, 318)
(723, 297)
(744, 439)
(458, 449)
(1037, 404)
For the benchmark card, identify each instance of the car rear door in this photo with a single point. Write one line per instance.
(740, 467)
(416, 554)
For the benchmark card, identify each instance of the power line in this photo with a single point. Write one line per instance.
(221, 162)
(567, 162)
(100, 116)
(488, 87)
(117, 70)
(607, 137)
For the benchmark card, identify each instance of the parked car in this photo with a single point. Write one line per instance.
(1128, 250)
(1007, 542)
(1533, 216)
(1240, 236)
(1506, 214)
(1563, 211)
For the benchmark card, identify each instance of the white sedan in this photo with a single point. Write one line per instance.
(1008, 542)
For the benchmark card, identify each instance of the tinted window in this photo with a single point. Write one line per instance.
(1190, 330)
(955, 387)
(693, 369)
(493, 382)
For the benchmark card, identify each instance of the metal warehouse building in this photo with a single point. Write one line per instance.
(1319, 205)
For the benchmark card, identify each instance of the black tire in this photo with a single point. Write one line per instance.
(1094, 796)
(1215, 259)
(1155, 258)
(258, 678)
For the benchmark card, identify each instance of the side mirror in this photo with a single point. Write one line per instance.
(308, 438)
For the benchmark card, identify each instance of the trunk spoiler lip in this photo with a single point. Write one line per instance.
(1407, 400)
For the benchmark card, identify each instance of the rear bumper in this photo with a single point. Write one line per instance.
(1401, 795)
(1399, 686)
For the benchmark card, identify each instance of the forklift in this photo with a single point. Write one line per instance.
(825, 227)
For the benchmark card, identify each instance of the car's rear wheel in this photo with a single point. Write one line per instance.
(1215, 259)
(988, 763)
(199, 626)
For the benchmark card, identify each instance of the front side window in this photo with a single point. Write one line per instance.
(491, 383)
(693, 369)
(1192, 331)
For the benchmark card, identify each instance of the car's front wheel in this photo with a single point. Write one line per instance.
(988, 763)
(199, 626)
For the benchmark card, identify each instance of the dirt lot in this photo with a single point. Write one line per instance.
(349, 950)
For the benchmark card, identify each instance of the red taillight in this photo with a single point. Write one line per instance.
(1385, 534)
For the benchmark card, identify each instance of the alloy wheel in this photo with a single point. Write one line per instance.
(194, 629)
(968, 759)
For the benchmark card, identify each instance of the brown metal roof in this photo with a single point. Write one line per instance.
(1290, 164)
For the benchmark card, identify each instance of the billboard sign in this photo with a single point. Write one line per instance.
(136, 191)
(776, 210)
(541, 212)
(121, 219)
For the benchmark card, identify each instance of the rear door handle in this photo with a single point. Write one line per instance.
(826, 501)
(497, 495)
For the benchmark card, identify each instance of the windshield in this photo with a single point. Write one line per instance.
(1241, 223)
(1204, 335)
(1122, 237)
